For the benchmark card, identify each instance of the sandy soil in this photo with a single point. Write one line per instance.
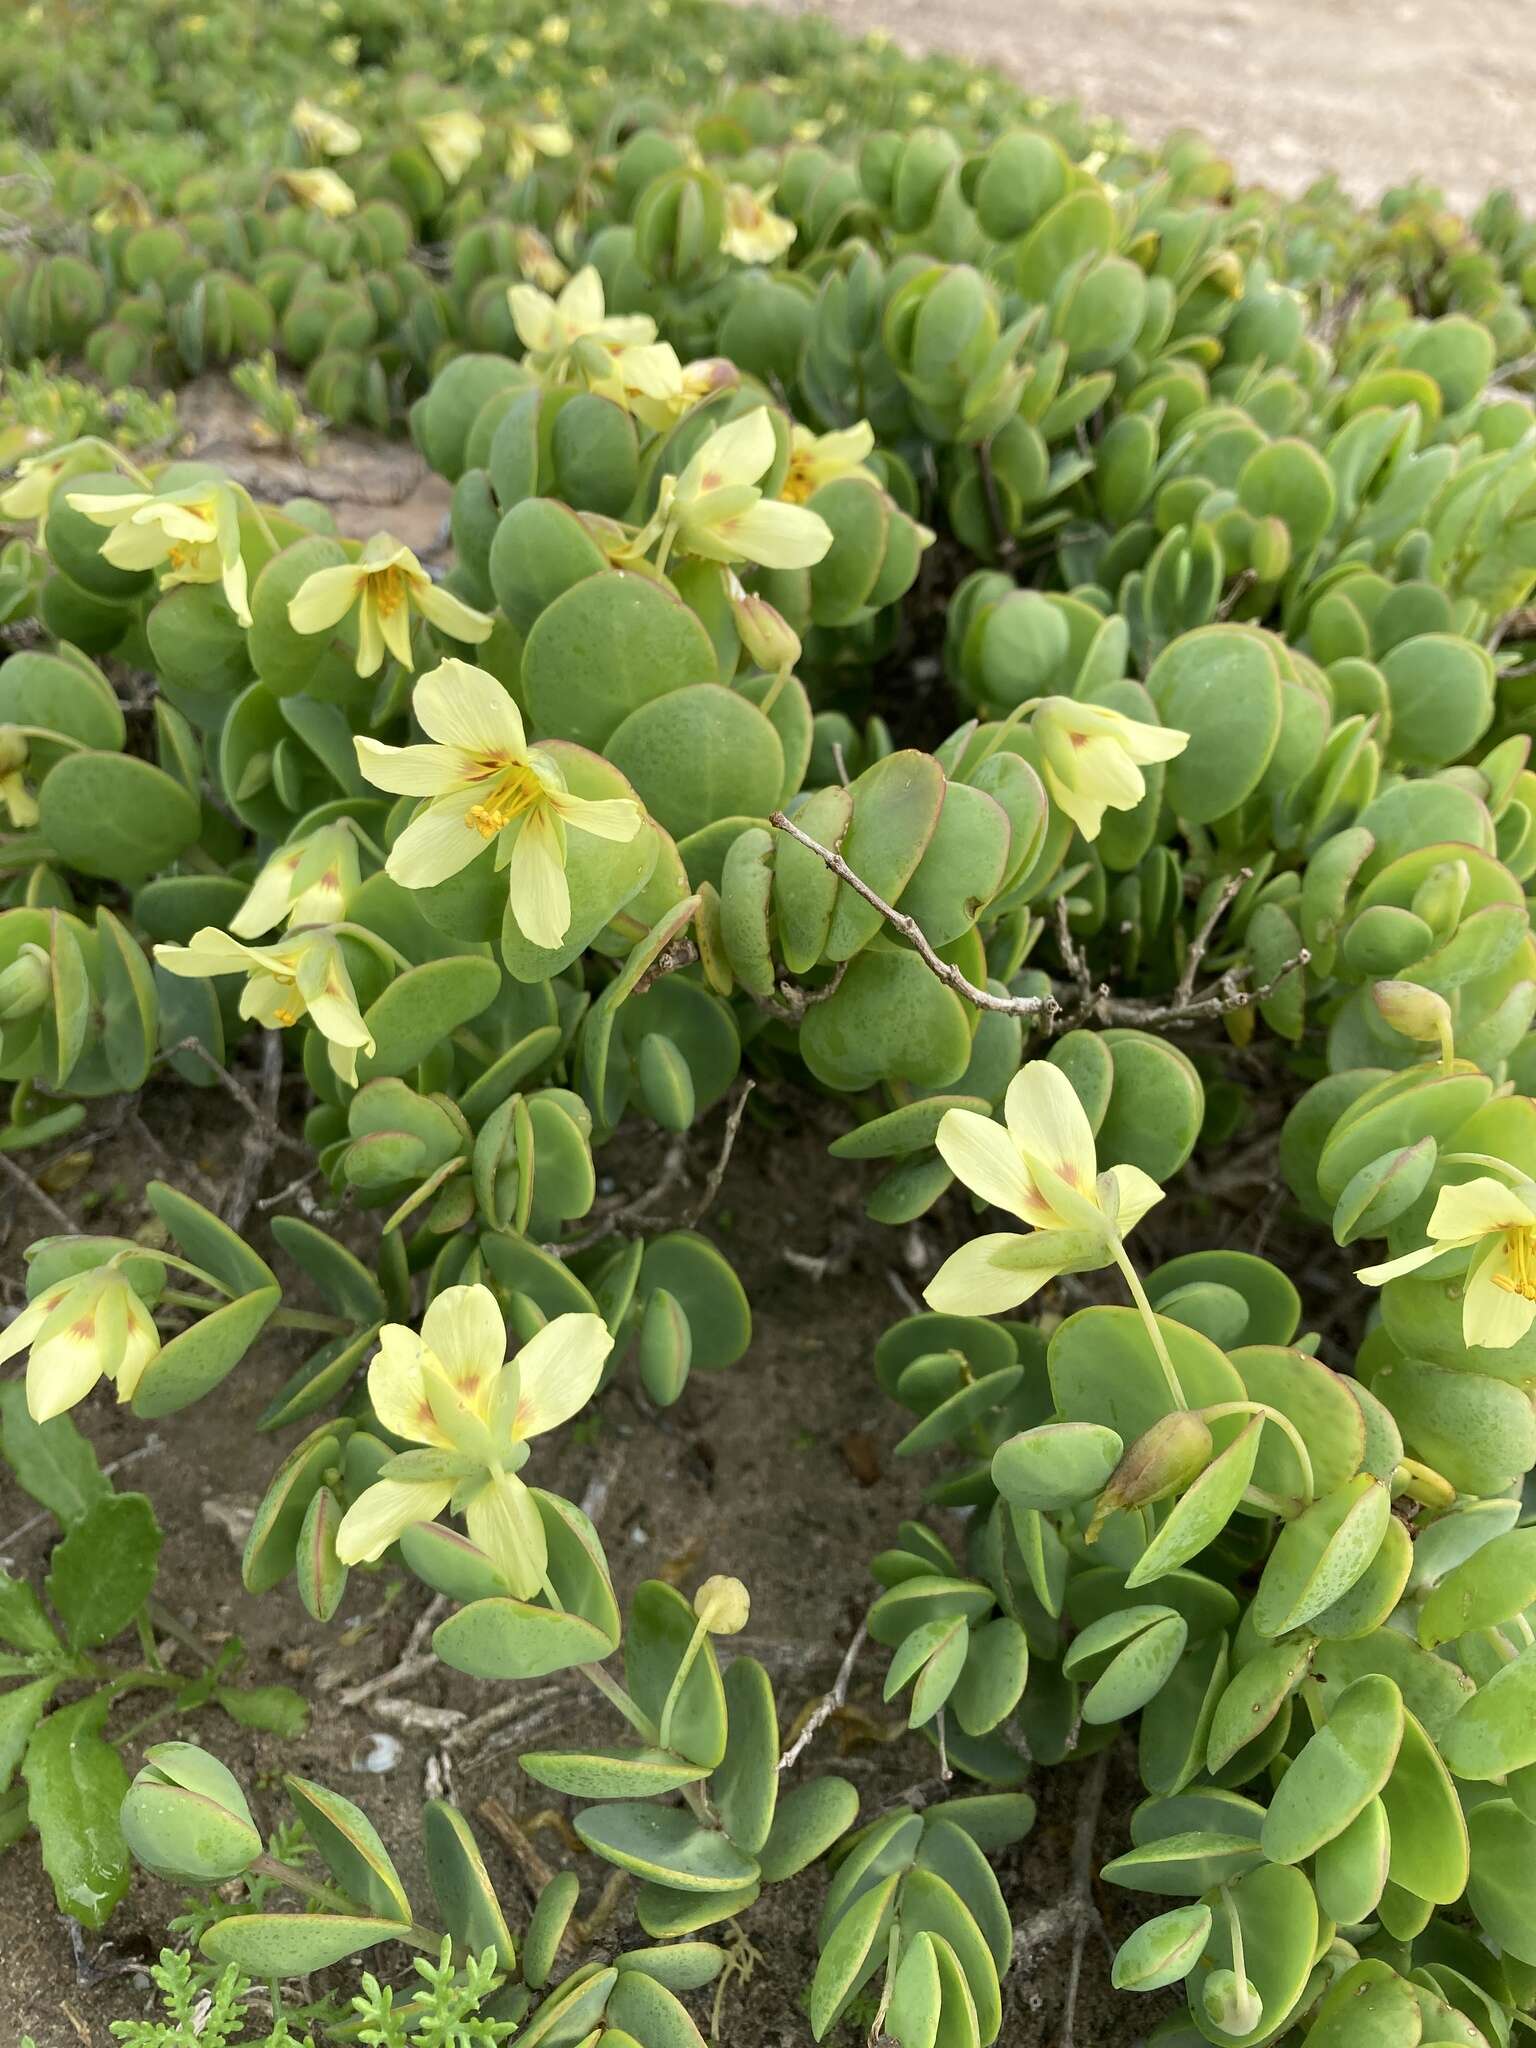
(1374, 89)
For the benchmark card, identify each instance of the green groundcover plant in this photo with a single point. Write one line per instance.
(997, 628)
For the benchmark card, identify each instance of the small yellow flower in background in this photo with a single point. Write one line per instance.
(303, 976)
(1498, 1225)
(125, 208)
(190, 536)
(529, 140)
(715, 509)
(1043, 1168)
(483, 782)
(323, 190)
(556, 333)
(555, 30)
(453, 1390)
(38, 476)
(344, 50)
(453, 141)
(322, 131)
(650, 381)
(387, 583)
(308, 883)
(817, 459)
(537, 260)
(91, 1326)
(754, 233)
(1092, 758)
(19, 805)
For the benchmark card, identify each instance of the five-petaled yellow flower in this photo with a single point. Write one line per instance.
(1092, 758)
(190, 536)
(386, 583)
(1044, 1169)
(452, 140)
(483, 781)
(817, 459)
(81, 1329)
(302, 976)
(558, 335)
(651, 382)
(322, 131)
(323, 191)
(454, 1390)
(717, 510)
(754, 233)
(1497, 1224)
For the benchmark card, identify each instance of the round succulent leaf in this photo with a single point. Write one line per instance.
(1427, 1825)
(1478, 1431)
(1374, 1596)
(1278, 1916)
(1319, 1556)
(193, 1363)
(699, 753)
(1503, 1843)
(461, 1884)
(621, 1772)
(1220, 685)
(1184, 1864)
(664, 1845)
(1162, 1950)
(1344, 1764)
(851, 1954)
(115, 816)
(896, 806)
(652, 644)
(350, 1847)
(963, 864)
(1155, 1109)
(273, 1945)
(506, 1638)
(1321, 1406)
(744, 1785)
(889, 1020)
(1056, 1465)
(1104, 1370)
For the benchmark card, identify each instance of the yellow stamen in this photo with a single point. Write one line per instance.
(517, 790)
(389, 590)
(1520, 1250)
(287, 1015)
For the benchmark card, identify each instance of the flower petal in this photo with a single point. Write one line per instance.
(410, 771)
(540, 895)
(997, 1272)
(463, 707)
(1492, 1315)
(452, 616)
(397, 1386)
(1137, 1192)
(981, 1153)
(608, 817)
(1476, 1208)
(560, 1367)
(778, 536)
(1394, 1269)
(324, 599)
(1048, 1124)
(437, 843)
(464, 1329)
(384, 1511)
(504, 1522)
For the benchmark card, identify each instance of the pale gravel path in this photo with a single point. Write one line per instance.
(1376, 89)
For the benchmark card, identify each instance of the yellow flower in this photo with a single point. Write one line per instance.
(82, 1329)
(344, 49)
(453, 140)
(555, 30)
(650, 382)
(304, 976)
(309, 882)
(816, 459)
(576, 327)
(191, 536)
(1498, 1225)
(754, 233)
(453, 1390)
(323, 191)
(16, 800)
(388, 583)
(324, 132)
(485, 782)
(529, 140)
(1092, 758)
(715, 508)
(1042, 1168)
(537, 261)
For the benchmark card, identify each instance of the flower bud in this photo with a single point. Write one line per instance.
(1417, 1013)
(765, 633)
(1164, 1458)
(722, 1604)
(13, 750)
(185, 1816)
(1232, 2004)
(25, 985)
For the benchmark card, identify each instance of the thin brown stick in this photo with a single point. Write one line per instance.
(702, 1206)
(226, 1080)
(912, 932)
(1199, 945)
(536, 1872)
(829, 1702)
(26, 1186)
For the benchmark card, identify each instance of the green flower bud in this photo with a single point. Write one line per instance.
(1231, 2003)
(1175, 1450)
(25, 985)
(1417, 1013)
(186, 1817)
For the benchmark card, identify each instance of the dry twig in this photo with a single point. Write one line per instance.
(829, 1703)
